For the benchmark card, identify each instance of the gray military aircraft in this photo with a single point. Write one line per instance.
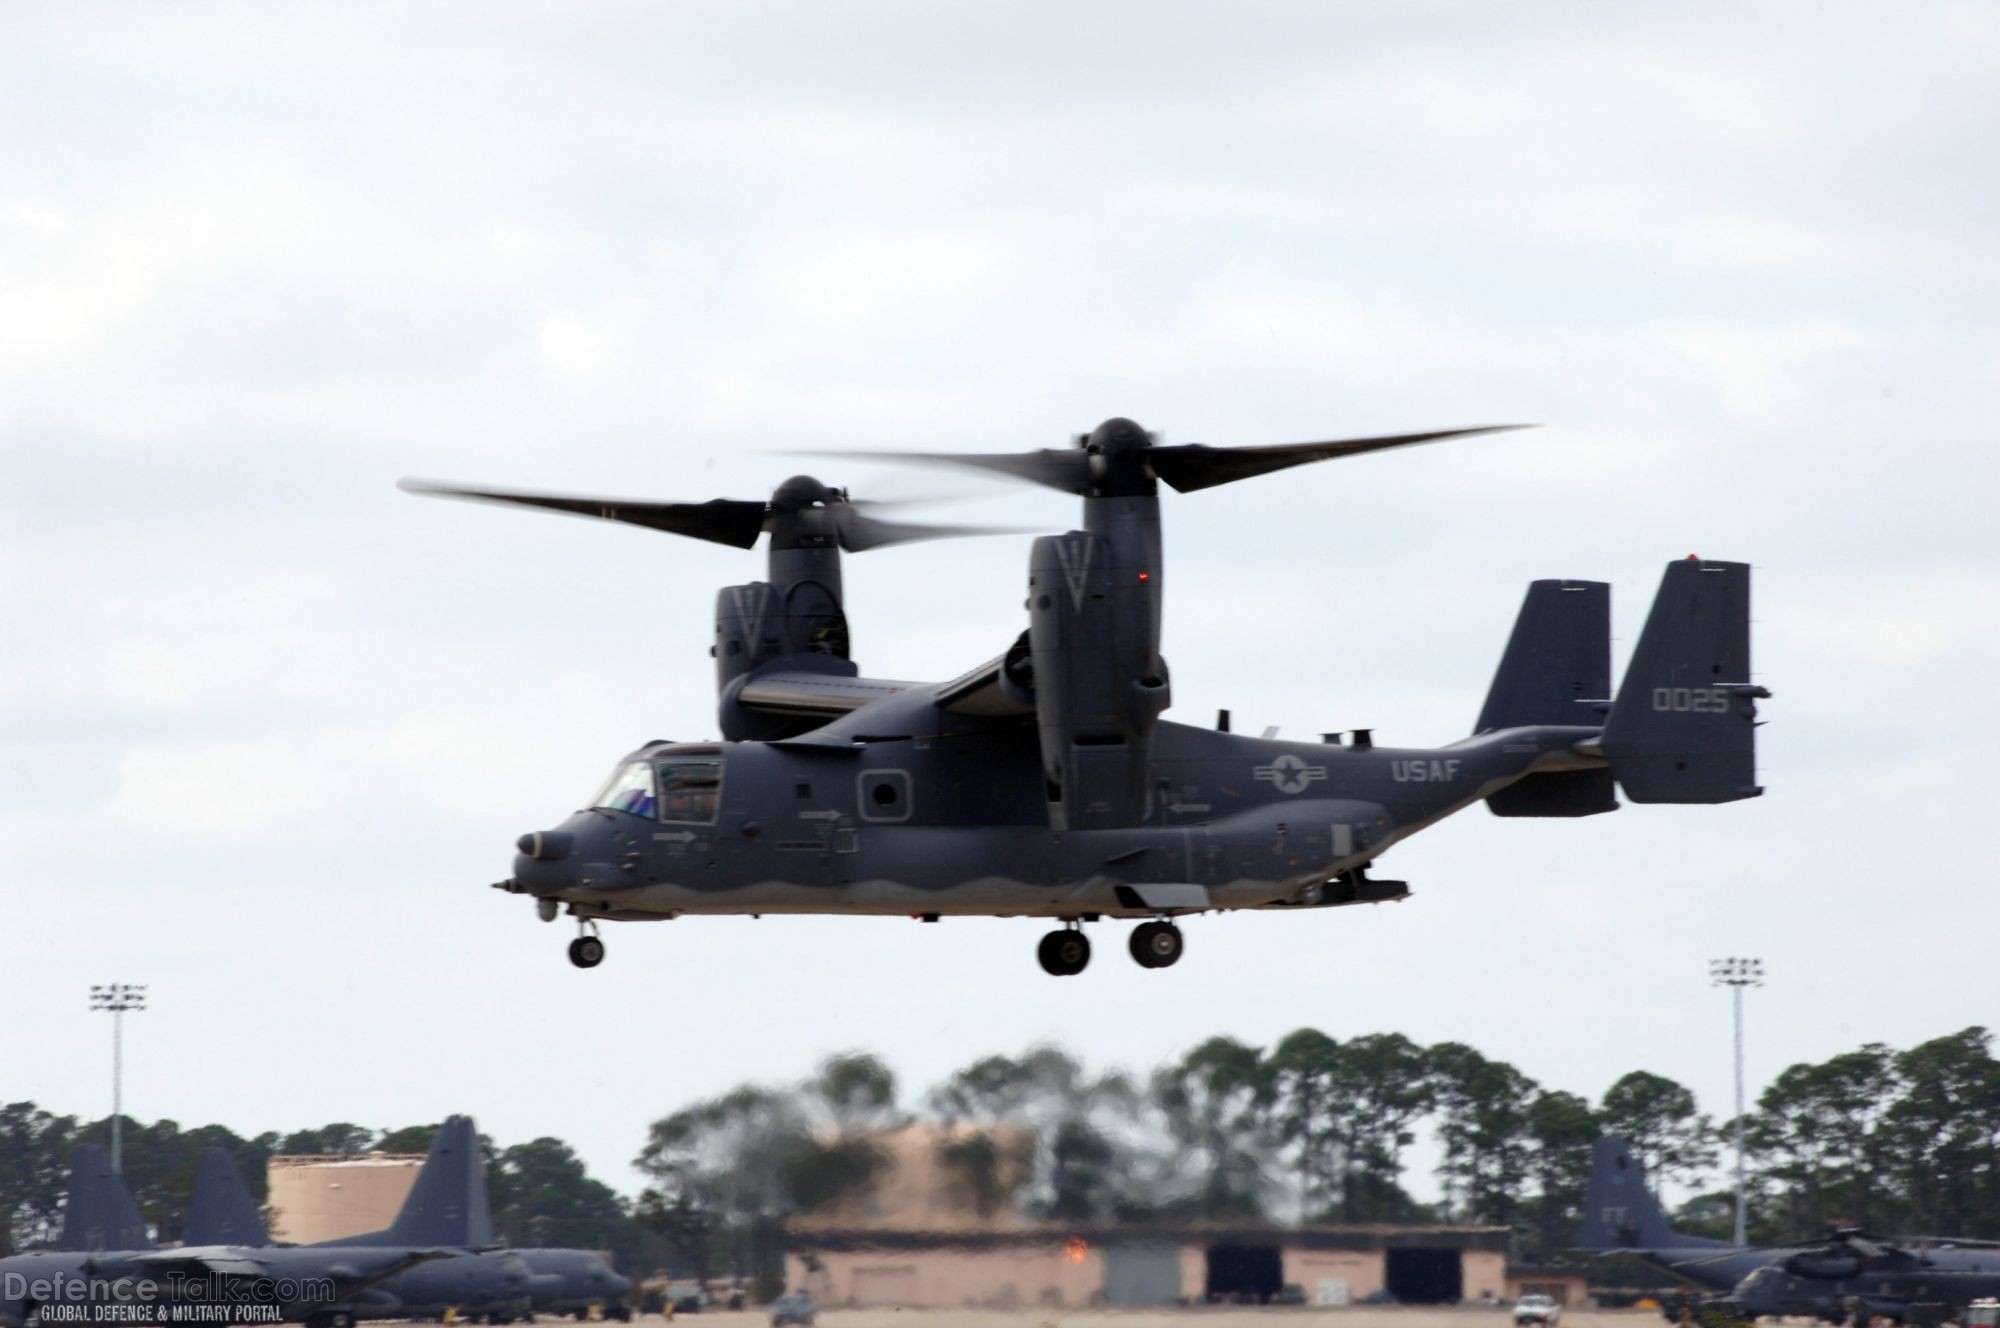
(442, 1213)
(1848, 1275)
(108, 1267)
(446, 1208)
(1044, 783)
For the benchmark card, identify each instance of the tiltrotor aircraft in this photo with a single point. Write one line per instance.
(1044, 783)
(1848, 1276)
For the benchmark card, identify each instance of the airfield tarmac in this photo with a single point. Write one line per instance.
(1299, 1316)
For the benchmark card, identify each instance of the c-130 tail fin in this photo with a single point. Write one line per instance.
(1620, 1212)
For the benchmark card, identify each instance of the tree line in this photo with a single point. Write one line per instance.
(1308, 1129)
(1316, 1129)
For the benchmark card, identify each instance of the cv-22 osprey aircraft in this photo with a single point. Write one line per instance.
(1044, 782)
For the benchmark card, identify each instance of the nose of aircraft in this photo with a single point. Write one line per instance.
(618, 1285)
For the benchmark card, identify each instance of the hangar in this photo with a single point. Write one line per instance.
(1148, 1264)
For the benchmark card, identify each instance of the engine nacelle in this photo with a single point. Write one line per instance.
(759, 622)
(1099, 682)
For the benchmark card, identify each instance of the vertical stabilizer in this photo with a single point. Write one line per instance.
(1620, 1212)
(223, 1213)
(1557, 670)
(99, 1213)
(447, 1204)
(1683, 728)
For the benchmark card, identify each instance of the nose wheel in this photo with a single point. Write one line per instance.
(1156, 944)
(586, 951)
(1064, 953)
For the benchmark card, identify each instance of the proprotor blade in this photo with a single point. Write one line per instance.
(860, 532)
(731, 521)
(1190, 466)
(1065, 469)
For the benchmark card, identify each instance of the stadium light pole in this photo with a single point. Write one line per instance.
(119, 998)
(1736, 974)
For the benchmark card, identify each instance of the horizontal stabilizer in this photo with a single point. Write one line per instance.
(1683, 727)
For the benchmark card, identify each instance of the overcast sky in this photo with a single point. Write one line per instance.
(270, 727)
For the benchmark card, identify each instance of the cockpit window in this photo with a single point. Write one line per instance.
(630, 789)
(690, 789)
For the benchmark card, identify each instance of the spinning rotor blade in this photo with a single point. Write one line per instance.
(1182, 466)
(860, 532)
(1191, 466)
(721, 520)
(1057, 469)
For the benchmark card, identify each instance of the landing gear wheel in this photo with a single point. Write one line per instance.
(1156, 944)
(1064, 953)
(586, 952)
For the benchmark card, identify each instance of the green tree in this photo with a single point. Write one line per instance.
(1213, 1102)
(1302, 1070)
(34, 1174)
(1814, 1139)
(1943, 1133)
(340, 1137)
(1658, 1118)
(1080, 1169)
(406, 1139)
(1561, 1130)
(856, 1091)
(542, 1196)
(1380, 1088)
(1482, 1108)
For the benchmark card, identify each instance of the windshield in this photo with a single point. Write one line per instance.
(630, 789)
(690, 789)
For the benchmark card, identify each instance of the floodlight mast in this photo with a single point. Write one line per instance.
(118, 998)
(1736, 974)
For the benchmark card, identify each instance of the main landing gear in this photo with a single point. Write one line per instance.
(586, 951)
(1064, 953)
(1156, 944)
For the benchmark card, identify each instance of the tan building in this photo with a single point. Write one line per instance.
(941, 1227)
(314, 1198)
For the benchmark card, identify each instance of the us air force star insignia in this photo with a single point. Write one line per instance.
(1290, 774)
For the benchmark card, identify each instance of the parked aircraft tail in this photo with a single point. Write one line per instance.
(223, 1213)
(447, 1204)
(1684, 723)
(1557, 670)
(99, 1213)
(1620, 1213)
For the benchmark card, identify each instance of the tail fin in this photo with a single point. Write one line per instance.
(1557, 670)
(1684, 724)
(99, 1213)
(223, 1213)
(1619, 1212)
(447, 1203)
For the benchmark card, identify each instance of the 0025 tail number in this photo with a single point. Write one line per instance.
(1692, 700)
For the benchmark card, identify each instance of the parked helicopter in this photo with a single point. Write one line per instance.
(1044, 782)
